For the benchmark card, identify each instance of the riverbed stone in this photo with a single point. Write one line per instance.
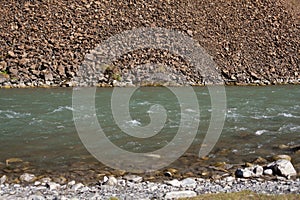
(174, 183)
(26, 177)
(282, 168)
(111, 181)
(188, 182)
(268, 172)
(283, 157)
(53, 186)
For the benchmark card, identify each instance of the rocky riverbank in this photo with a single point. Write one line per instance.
(260, 176)
(43, 43)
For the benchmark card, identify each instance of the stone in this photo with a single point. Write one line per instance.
(244, 173)
(168, 174)
(48, 77)
(53, 186)
(3, 179)
(180, 194)
(133, 178)
(259, 160)
(229, 179)
(27, 177)
(188, 182)
(282, 168)
(11, 54)
(45, 180)
(283, 157)
(258, 170)
(111, 181)
(77, 186)
(268, 172)
(71, 183)
(13, 160)
(174, 183)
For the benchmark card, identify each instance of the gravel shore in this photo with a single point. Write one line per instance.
(129, 189)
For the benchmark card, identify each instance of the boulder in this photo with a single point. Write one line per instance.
(282, 167)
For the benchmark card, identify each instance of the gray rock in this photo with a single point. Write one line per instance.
(282, 167)
(77, 186)
(229, 179)
(27, 177)
(111, 181)
(71, 183)
(180, 194)
(174, 183)
(53, 186)
(188, 182)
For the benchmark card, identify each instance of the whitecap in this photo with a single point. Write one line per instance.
(260, 132)
(144, 103)
(12, 114)
(289, 115)
(62, 108)
(134, 123)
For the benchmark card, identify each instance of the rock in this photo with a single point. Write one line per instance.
(53, 186)
(27, 177)
(244, 173)
(111, 181)
(11, 54)
(229, 179)
(48, 77)
(268, 172)
(180, 194)
(133, 178)
(259, 160)
(45, 180)
(71, 183)
(77, 186)
(283, 157)
(13, 160)
(258, 170)
(3, 179)
(174, 183)
(282, 168)
(168, 174)
(188, 182)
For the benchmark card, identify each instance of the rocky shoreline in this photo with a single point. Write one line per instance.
(260, 176)
(44, 43)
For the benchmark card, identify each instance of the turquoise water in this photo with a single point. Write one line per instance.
(37, 124)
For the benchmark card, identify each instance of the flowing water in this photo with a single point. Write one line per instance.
(37, 125)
